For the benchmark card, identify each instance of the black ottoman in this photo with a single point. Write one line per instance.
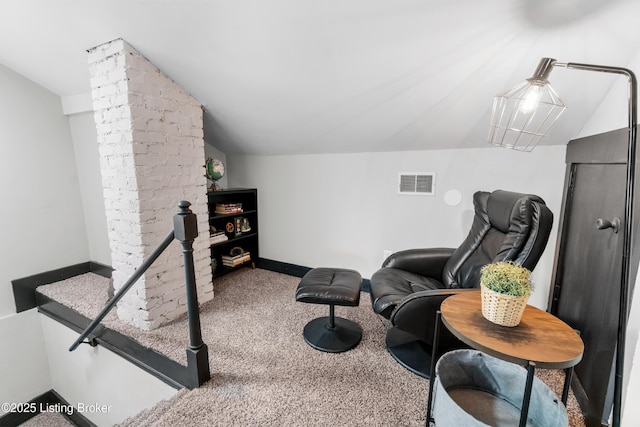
(331, 286)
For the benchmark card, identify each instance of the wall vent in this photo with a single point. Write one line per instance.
(417, 183)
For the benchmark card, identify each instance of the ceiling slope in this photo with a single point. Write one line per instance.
(332, 76)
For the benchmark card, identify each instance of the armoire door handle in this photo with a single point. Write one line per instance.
(602, 224)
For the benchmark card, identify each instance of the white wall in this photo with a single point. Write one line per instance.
(42, 218)
(44, 228)
(631, 390)
(95, 375)
(23, 362)
(344, 210)
(85, 146)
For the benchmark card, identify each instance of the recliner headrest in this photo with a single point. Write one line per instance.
(506, 226)
(505, 207)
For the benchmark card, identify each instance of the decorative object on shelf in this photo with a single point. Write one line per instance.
(237, 250)
(238, 221)
(505, 288)
(214, 170)
(246, 227)
(230, 227)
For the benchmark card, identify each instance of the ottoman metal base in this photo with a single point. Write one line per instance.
(332, 334)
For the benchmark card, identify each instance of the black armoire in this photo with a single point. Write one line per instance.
(586, 279)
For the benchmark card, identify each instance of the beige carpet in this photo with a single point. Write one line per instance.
(263, 373)
(48, 419)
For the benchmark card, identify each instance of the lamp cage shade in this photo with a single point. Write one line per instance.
(522, 116)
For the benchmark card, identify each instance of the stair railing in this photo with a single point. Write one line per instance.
(185, 230)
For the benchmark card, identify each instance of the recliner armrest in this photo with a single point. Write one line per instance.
(428, 262)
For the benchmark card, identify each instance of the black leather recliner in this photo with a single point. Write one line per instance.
(411, 284)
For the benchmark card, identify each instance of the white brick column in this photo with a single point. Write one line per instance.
(150, 139)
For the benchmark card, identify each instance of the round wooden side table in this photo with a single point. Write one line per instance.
(540, 340)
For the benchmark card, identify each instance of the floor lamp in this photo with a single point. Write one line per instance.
(522, 116)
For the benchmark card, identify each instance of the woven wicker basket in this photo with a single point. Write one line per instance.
(501, 309)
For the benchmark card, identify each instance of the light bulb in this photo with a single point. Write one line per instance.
(530, 100)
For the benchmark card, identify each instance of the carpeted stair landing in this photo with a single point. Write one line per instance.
(263, 372)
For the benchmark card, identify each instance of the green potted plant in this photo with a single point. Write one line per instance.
(505, 288)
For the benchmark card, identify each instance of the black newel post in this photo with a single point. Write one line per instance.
(185, 228)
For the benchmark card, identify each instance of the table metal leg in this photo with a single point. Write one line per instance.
(568, 374)
(531, 369)
(434, 356)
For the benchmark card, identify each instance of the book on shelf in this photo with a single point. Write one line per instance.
(217, 238)
(233, 261)
(236, 257)
(235, 264)
(228, 208)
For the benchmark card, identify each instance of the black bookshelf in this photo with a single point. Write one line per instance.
(238, 229)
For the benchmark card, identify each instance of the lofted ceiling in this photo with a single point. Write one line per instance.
(334, 76)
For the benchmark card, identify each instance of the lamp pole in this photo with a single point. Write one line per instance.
(628, 225)
(513, 126)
